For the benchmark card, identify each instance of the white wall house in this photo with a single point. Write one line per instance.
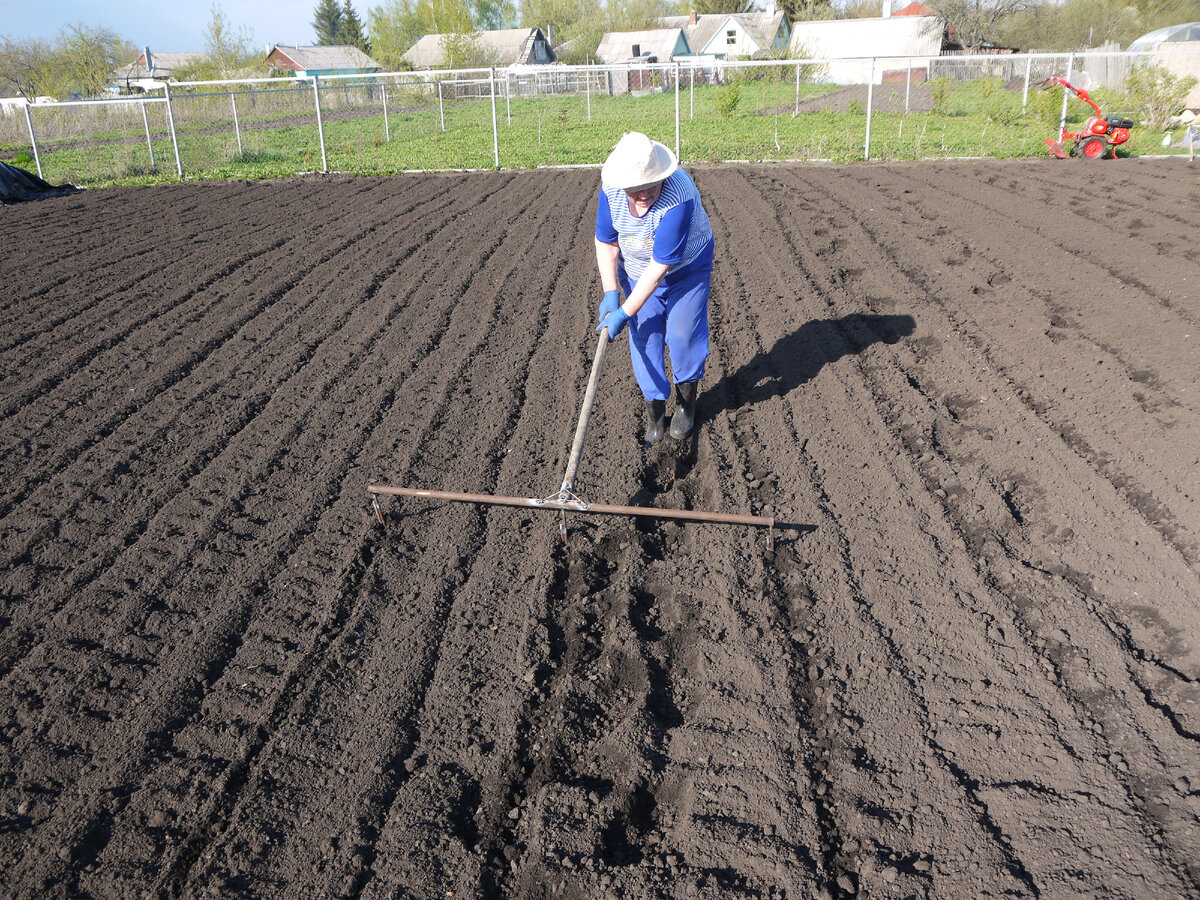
(854, 41)
(724, 35)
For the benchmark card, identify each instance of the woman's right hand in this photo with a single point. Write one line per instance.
(612, 299)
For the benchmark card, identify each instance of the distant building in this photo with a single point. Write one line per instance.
(308, 61)
(503, 48)
(851, 43)
(152, 70)
(916, 8)
(633, 52)
(660, 44)
(741, 35)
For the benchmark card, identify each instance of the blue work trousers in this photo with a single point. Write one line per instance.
(674, 319)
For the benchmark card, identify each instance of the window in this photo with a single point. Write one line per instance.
(731, 36)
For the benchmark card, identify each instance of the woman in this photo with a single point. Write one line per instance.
(653, 242)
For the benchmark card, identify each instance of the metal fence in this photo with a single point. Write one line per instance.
(712, 110)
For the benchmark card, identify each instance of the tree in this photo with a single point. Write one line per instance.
(490, 15)
(807, 10)
(977, 21)
(1081, 24)
(81, 61)
(327, 23)
(394, 27)
(1158, 92)
(351, 32)
(228, 51)
(861, 9)
(20, 62)
(722, 7)
(635, 15)
(581, 22)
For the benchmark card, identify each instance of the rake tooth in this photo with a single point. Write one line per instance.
(378, 509)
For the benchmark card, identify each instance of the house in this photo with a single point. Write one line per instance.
(740, 35)
(333, 60)
(11, 99)
(634, 51)
(152, 70)
(853, 42)
(655, 44)
(503, 47)
(916, 8)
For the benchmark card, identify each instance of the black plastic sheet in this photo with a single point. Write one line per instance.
(17, 185)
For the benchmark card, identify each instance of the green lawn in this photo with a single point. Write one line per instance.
(754, 120)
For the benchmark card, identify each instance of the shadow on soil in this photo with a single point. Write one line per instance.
(798, 357)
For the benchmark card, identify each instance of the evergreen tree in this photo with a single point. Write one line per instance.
(327, 23)
(352, 30)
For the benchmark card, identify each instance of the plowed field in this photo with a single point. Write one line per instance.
(969, 669)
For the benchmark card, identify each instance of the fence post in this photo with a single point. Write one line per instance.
(387, 131)
(587, 86)
(441, 109)
(171, 122)
(495, 123)
(692, 91)
(796, 111)
(508, 96)
(320, 124)
(677, 109)
(146, 125)
(1025, 93)
(870, 93)
(237, 129)
(33, 140)
(908, 84)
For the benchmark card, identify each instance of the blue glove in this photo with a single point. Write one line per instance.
(612, 299)
(614, 322)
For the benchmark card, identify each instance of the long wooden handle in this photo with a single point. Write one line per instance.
(585, 414)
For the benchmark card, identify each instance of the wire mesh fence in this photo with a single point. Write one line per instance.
(710, 109)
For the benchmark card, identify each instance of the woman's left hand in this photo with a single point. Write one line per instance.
(614, 322)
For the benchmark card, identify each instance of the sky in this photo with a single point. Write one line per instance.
(174, 26)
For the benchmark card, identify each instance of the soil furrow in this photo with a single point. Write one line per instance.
(353, 876)
(188, 305)
(98, 296)
(971, 672)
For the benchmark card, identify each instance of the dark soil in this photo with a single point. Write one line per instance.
(969, 668)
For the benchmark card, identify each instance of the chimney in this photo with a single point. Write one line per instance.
(637, 49)
(149, 60)
(887, 8)
(692, 18)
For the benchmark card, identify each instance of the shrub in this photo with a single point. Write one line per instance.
(939, 93)
(1046, 105)
(728, 97)
(1158, 93)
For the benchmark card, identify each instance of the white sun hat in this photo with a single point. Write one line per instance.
(637, 162)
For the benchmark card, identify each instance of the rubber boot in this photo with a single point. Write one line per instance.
(656, 420)
(685, 410)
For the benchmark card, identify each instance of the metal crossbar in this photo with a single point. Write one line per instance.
(565, 500)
